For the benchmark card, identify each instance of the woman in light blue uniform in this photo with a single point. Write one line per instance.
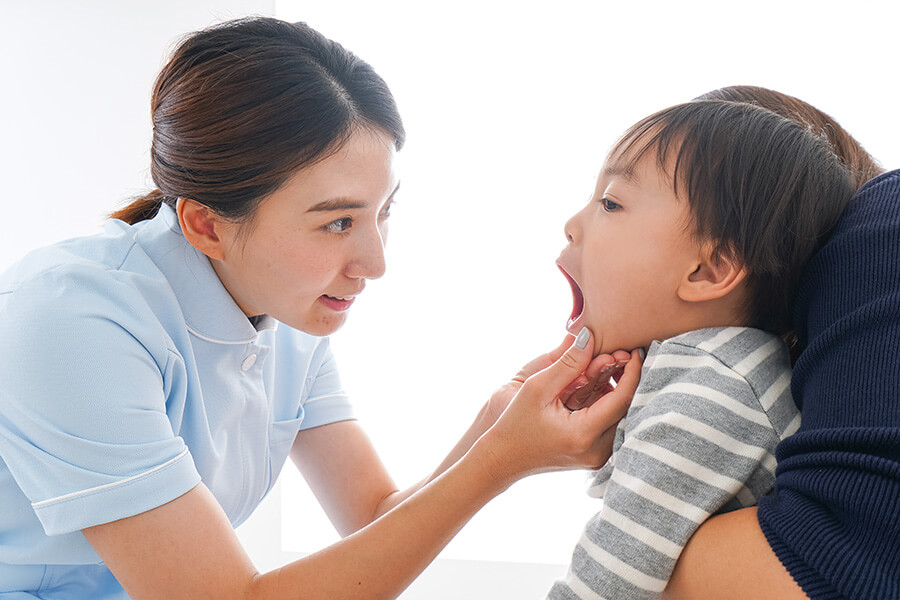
(156, 377)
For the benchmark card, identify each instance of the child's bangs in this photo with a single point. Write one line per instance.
(664, 135)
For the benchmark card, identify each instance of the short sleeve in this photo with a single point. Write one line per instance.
(83, 425)
(326, 401)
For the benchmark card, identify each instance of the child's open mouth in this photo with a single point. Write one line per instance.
(577, 299)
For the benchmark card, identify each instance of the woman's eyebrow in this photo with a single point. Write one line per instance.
(343, 203)
(336, 204)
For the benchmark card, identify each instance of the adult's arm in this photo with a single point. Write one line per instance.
(345, 473)
(728, 558)
(838, 475)
(186, 549)
(678, 462)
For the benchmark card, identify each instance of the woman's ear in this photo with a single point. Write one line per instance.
(201, 227)
(715, 274)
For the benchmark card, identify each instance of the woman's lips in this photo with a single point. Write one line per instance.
(577, 300)
(339, 304)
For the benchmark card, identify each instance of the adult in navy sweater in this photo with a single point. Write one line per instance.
(831, 529)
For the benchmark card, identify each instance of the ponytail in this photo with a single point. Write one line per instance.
(142, 208)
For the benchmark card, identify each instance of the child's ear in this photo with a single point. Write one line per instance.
(715, 274)
(201, 227)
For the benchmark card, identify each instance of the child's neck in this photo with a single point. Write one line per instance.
(729, 311)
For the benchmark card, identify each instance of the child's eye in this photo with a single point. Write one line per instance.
(339, 226)
(609, 206)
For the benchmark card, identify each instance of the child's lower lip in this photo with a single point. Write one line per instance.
(336, 303)
(574, 325)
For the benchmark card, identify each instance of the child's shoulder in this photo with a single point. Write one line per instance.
(728, 365)
(742, 349)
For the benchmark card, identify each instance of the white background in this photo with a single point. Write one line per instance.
(509, 107)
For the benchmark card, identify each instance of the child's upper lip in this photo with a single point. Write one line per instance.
(572, 281)
(577, 294)
(559, 264)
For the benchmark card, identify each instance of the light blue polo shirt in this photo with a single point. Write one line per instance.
(127, 376)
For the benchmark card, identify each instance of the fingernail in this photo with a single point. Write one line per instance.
(583, 336)
(642, 353)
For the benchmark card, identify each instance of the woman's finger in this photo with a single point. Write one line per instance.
(557, 377)
(543, 361)
(614, 405)
(600, 363)
(587, 395)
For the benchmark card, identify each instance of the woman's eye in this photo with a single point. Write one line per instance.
(386, 211)
(609, 205)
(339, 226)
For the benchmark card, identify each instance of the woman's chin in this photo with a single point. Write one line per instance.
(317, 324)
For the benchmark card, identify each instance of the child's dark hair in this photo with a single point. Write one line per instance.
(862, 165)
(764, 189)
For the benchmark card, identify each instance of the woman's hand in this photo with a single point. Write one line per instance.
(583, 391)
(538, 432)
(165, 552)
(596, 381)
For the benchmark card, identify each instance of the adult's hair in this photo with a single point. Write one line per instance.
(762, 188)
(242, 105)
(863, 166)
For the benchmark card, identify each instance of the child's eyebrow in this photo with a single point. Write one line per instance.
(626, 172)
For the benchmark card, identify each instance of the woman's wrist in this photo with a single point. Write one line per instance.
(493, 453)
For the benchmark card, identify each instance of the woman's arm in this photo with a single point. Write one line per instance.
(728, 558)
(187, 550)
(344, 471)
(341, 466)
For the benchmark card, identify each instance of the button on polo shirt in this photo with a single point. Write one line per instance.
(130, 375)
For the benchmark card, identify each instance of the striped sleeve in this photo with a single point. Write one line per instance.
(697, 441)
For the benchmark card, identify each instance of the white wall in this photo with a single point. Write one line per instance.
(75, 107)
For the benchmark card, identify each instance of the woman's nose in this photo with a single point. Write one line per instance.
(368, 260)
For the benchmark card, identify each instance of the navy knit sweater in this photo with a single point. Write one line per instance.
(834, 518)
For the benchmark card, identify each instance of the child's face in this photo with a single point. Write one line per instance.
(628, 250)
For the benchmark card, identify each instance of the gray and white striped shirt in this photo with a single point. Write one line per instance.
(699, 439)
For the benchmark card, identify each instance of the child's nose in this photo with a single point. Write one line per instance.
(570, 229)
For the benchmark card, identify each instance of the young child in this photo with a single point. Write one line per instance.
(703, 218)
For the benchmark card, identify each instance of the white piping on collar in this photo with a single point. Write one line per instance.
(214, 341)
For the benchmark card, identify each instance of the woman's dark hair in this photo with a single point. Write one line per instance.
(863, 166)
(243, 105)
(762, 188)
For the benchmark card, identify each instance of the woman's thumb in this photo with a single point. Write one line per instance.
(570, 365)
